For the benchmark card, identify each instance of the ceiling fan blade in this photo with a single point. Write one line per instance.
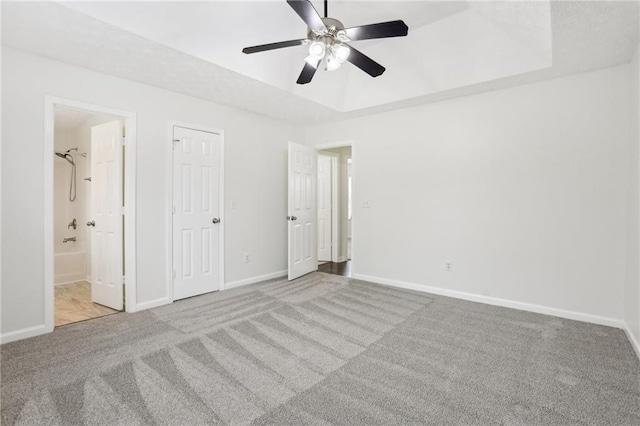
(272, 46)
(307, 73)
(308, 13)
(365, 63)
(380, 30)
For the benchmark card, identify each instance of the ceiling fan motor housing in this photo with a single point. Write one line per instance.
(335, 30)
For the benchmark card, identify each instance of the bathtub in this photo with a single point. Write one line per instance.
(70, 267)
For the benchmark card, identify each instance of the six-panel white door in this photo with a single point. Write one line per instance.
(107, 266)
(196, 216)
(302, 214)
(324, 207)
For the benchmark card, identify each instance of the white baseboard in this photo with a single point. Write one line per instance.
(572, 315)
(153, 304)
(73, 277)
(167, 300)
(24, 333)
(73, 281)
(253, 280)
(632, 339)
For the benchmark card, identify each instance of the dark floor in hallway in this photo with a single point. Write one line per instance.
(340, 268)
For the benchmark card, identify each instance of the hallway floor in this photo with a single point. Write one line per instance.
(341, 268)
(73, 304)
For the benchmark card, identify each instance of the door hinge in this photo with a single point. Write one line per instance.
(175, 141)
(124, 277)
(124, 141)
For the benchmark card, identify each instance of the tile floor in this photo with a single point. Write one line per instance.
(73, 304)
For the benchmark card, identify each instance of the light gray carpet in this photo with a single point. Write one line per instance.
(323, 349)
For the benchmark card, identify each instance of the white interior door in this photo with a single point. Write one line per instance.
(107, 265)
(325, 197)
(196, 212)
(302, 215)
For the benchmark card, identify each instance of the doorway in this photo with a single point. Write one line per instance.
(334, 195)
(303, 217)
(89, 221)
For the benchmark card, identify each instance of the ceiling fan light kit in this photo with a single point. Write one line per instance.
(327, 39)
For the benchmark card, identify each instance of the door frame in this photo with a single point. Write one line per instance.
(130, 257)
(334, 208)
(334, 202)
(169, 255)
(341, 144)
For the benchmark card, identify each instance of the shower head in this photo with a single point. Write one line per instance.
(66, 156)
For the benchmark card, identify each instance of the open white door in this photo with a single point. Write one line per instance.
(325, 225)
(196, 212)
(107, 266)
(302, 215)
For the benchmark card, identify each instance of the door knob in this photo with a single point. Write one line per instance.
(294, 218)
(92, 223)
(215, 220)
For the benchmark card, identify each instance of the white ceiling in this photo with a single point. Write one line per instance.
(453, 48)
(473, 42)
(69, 119)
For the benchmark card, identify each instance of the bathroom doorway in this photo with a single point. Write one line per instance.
(89, 230)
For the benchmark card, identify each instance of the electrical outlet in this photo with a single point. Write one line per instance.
(247, 258)
(366, 204)
(448, 266)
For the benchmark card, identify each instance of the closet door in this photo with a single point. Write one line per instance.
(196, 212)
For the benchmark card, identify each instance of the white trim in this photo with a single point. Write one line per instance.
(334, 204)
(130, 119)
(70, 281)
(256, 279)
(49, 251)
(331, 145)
(334, 209)
(169, 255)
(154, 303)
(169, 210)
(635, 344)
(572, 315)
(130, 243)
(353, 210)
(25, 333)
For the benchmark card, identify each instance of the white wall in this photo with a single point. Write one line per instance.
(64, 209)
(255, 178)
(70, 260)
(523, 189)
(632, 285)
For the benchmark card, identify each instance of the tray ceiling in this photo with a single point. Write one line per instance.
(453, 48)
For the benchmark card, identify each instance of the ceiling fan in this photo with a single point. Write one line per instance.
(327, 39)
